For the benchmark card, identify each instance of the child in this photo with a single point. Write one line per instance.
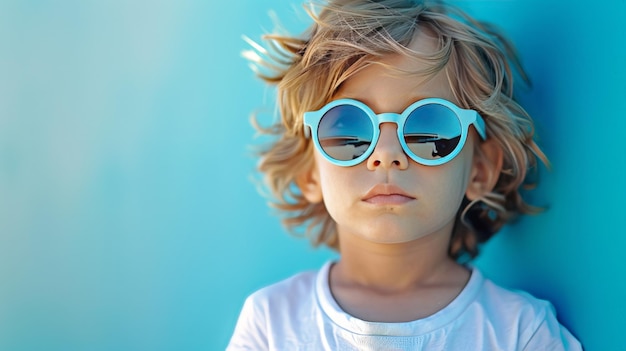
(400, 145)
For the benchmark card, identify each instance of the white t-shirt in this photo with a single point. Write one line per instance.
(300, 313)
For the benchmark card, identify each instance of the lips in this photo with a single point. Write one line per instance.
(387, 194)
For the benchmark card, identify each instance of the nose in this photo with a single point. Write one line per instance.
(388, 152)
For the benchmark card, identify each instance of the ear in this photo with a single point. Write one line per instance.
(309, 183)
(486, 168)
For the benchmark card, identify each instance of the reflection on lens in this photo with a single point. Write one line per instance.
(345, 132)
(432, 131)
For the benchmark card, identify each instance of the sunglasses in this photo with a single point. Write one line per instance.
(431, 131)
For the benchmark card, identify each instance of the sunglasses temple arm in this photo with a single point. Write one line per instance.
(480, 126)
(306, 126)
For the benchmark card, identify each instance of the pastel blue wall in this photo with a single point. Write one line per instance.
(128, 218)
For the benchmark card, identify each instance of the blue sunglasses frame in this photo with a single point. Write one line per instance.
(466, 118)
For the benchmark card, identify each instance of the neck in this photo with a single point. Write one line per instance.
(395, 267)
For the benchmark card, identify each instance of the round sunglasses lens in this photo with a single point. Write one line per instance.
(432, 131)
(345, 132)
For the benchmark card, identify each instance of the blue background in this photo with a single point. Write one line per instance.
(129, 214)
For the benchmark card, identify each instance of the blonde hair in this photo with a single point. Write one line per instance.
(348, 35)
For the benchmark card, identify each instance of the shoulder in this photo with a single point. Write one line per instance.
(287, 291)
(533, 321)
(274, 312)
(496, 299)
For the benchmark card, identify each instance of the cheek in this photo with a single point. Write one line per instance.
(334, 181)
(328, 176)
(450, 181)
(339, 185)
(447, 185)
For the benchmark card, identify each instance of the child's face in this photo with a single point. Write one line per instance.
(364, 199)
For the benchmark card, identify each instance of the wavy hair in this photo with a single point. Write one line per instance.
(347, 35)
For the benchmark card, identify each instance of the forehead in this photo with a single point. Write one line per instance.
(387, 85)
